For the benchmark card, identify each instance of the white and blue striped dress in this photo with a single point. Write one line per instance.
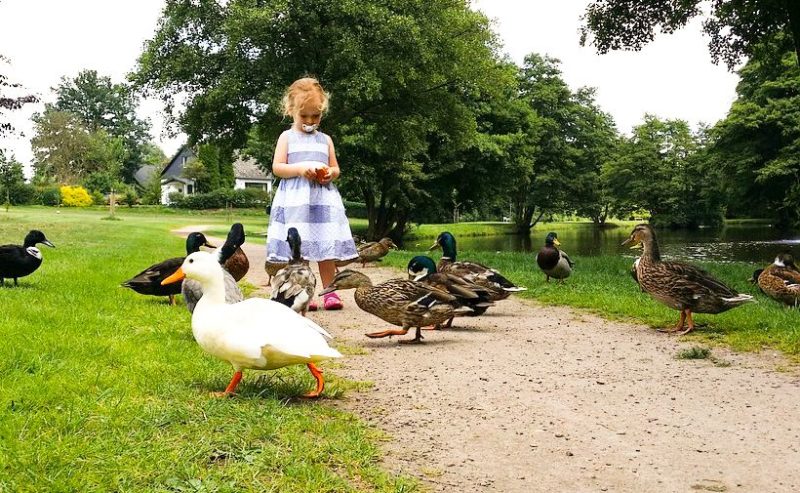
(315, 210)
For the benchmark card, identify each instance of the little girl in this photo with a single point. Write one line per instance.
(306, 197)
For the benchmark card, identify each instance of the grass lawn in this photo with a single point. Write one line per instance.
(103, 389)
(603, 285)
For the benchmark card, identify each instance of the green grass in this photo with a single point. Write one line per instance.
(497, 228)
(102, 389)
(694, 352)
(603, 285)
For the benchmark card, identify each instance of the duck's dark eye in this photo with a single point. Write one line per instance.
(191, 260)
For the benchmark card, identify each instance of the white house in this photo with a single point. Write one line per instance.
(246, 174)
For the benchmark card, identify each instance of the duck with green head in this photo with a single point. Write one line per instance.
(552, 260)
(499, 287)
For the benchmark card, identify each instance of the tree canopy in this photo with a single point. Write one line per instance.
(736, 27)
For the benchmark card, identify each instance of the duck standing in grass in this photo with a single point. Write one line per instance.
(294, 285)
(781, 280)
(499, 287)
(236, 261)
(369, 252)
(678, 285)
(19, 261)
(552, 260)
(253, 334)
(468, 294)
(149, 280)
(400, 302)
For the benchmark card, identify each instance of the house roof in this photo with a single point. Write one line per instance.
(145, 173)
(168, 179)
(246, 168)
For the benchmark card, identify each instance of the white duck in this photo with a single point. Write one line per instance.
(255, 333)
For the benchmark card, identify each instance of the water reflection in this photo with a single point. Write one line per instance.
(749, 243)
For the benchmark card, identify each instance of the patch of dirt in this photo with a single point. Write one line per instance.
(541, 398)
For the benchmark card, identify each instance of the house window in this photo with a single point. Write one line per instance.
(189, 189)
(183, 160)
(258, 186)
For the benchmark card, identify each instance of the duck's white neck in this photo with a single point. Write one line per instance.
(213, 289)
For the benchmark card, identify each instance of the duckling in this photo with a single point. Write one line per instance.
(294, 285)
(19, 261)
(468, 294)
(234, 258)
(499, 287)
(678, 285)
(552, 260)
(781, 280)
(398, 301)
(149, 280)
(255, 333)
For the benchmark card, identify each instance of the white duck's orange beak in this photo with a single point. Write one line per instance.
(175, 277)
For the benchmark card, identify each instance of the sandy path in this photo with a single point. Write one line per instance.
(535, 398)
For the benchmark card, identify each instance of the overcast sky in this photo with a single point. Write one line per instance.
(673, 77)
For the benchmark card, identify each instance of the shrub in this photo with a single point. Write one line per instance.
(221, 198)
(75, 196)
(18, 194)
(48, 195)
(356, 209)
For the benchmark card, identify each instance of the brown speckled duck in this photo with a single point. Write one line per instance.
(400, 302)
(678, 285)
(781, 280)
(294, 285)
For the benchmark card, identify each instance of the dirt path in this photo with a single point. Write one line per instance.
(538, 398)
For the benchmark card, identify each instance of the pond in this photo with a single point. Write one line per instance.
(756, 243)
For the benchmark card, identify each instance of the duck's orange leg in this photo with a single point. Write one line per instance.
(387, 333)
(691, 323)
(229, 390)
(680, 324)
(320, 381)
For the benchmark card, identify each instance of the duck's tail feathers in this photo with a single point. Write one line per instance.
(515, 289)
(326, 353)
(739, 299)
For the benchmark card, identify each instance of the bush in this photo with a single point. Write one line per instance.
(221, 198)
(18, 194)
(356, 209)
(48, 195)
(75, 196)
(130, 198)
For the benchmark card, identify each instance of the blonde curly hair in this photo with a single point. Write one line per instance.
(303, 93)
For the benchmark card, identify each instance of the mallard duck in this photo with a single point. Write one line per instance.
(499, 287)
(369, 252)
(294, 285)
(149, 280)
(256, 333)
(678, 285)
(232, 255)
(781, 280)
(552, 260)
(468, 294)
(398, 301)
(19, 261)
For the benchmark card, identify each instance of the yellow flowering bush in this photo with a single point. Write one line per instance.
(75, 197)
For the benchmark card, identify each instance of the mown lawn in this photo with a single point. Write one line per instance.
(603, 284)
(102, 389)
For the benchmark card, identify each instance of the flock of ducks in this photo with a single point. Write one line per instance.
(263, 334)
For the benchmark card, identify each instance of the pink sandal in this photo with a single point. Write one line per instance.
(312, 306)
(332, 302)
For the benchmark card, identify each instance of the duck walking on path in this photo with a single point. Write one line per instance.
(19, 261)
(294, 285)
(678, 285)
(499, 287)
(255, 333)
(552, 260)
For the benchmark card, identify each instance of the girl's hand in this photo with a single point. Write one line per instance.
(324, 175)
(309, 172)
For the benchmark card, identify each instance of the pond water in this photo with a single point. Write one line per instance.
(757, 243)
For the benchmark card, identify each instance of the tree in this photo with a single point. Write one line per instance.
(13, 189)
(10, 99)
(398, 71)
(736, 27)
(100, 104)
(67, 152)
(757, 146)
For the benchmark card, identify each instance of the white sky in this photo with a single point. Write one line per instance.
(673, 77)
